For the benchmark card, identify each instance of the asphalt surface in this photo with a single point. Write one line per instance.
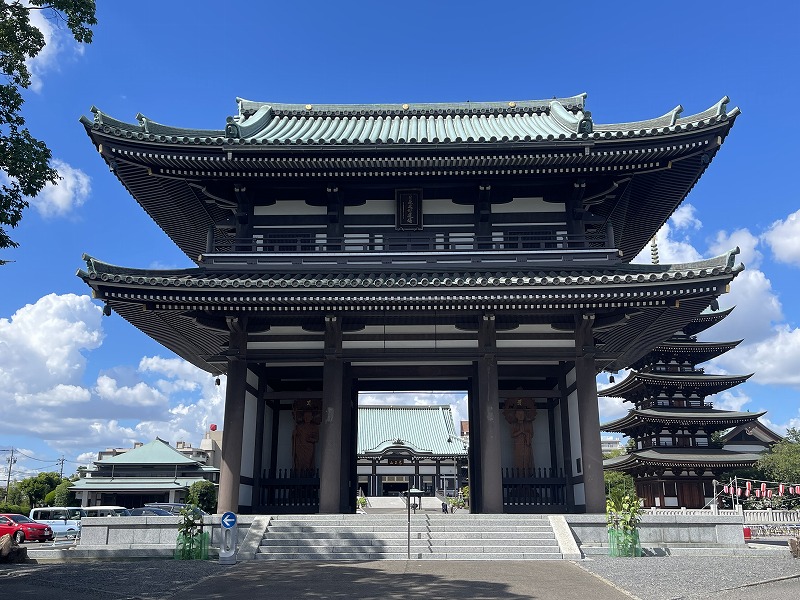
(600, 578)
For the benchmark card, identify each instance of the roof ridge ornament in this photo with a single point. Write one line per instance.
(143, 122)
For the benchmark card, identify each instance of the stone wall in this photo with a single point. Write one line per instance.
(663, 533)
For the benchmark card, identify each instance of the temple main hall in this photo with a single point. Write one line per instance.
(479, 247)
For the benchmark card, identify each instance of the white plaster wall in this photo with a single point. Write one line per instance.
(290, 207)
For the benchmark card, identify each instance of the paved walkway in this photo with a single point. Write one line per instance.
(663, 578)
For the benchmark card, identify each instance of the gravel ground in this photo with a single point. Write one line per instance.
(674, 577)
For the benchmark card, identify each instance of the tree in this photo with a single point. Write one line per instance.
(34, 489)
(204, 495)
(782, 461)
(62, 496)
(25, 160)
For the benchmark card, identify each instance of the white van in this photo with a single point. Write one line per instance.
(104, 511)
(63, 520)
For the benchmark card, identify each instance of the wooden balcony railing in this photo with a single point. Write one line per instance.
(399, 248)
(299, 244)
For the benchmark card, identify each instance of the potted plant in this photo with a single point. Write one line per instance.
(622, 518)
(192, 540)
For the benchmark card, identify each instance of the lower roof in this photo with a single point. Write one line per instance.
(636, 306)
(666, 458)
(720, 419)
(133, 484)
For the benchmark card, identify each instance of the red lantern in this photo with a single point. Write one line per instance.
(763, 487)
(725, 489)
(747, 493)
(739, 492)
(749, 485)
(780, 489)
(213, 427)
(769, 493)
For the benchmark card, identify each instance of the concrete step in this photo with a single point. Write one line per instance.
(381, 537)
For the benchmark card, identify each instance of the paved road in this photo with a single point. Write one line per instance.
(661, 578)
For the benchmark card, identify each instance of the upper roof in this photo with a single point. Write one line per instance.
(272, 123)
(638, 173)
(156, 452)
(425, 431)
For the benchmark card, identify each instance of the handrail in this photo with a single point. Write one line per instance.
(389, 243)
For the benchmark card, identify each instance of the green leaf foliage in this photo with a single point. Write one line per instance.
(35, 489)
(204, 495)
(782, 461)
(24, 160)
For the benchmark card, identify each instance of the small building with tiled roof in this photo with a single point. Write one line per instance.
(153, 472)
(477, 246)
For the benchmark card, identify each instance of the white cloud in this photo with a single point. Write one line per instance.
(780, 428)
(757, 311)
(68, 193)
(140, 394)
(783, 238)
(742, 239)
(730, 400)
(773, 359)
(672, 239)
(685, 217)
(42, 345)
(58, 40)
(43, 361)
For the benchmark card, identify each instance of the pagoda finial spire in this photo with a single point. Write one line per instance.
(654, 251)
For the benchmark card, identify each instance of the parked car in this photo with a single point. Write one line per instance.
(149, 511)
(22, 528)
(174, 508)
(63, 520)
(105, 511)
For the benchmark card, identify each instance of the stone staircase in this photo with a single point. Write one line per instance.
(433, 536)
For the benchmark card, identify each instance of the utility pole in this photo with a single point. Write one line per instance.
(11, 460)
(61, 462)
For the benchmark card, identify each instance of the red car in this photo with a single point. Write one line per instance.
(21, 528)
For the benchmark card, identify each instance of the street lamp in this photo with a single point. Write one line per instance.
(413, 492)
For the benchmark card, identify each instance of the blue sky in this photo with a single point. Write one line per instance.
(76, 382)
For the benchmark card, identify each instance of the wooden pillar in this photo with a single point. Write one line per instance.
(589, 416)
(231, 464)
(231, 461)
(489, 414)
(566, 444)
(330, 471)
(258, 447)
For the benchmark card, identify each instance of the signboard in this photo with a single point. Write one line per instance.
(409, 209)
(228, 520)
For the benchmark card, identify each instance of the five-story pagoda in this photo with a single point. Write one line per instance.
(675, 458)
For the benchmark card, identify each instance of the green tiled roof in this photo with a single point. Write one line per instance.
(268, 123)
(423, 430)
(156, 452)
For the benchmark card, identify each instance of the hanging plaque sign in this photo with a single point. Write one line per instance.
(409, 209)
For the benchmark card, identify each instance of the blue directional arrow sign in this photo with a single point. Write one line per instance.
(228, 520)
